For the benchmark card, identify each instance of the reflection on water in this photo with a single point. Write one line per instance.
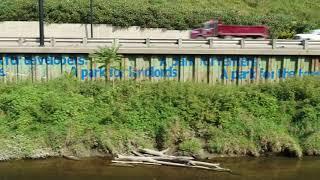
(244, 168)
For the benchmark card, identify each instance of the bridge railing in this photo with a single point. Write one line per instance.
(163, 43)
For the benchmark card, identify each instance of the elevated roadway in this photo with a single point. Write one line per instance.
(163, 46)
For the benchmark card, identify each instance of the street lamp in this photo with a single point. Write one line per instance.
(91, 17)
(41, 28)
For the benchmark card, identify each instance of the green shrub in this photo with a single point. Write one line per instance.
(311, 145)
(221, 142)
(190, 147)
(284, 17)
(68, 116)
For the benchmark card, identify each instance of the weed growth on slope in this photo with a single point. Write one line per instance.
(66, 116)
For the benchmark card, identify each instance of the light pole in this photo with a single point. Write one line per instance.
(41, 17)
(91, 17)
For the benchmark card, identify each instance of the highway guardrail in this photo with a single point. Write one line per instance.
(163, 43)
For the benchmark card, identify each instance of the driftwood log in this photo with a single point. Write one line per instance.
(152, 157)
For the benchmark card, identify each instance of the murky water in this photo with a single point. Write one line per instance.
(244, 168)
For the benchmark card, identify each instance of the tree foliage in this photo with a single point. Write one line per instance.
(285, 17)
(106, 56)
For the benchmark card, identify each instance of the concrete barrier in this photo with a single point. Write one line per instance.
(31, 29)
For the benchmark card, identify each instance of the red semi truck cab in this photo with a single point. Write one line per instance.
(215, 28)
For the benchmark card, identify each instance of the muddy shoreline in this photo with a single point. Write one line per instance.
(42, 155)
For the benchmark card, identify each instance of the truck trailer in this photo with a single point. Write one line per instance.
(215, 28)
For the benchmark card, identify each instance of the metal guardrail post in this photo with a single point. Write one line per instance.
(210, 43)
(305, 44)
(179, 43)
(20, 41)
(274, 44)
(53, 42)
(148, 42)
(84, 41)
(116, 42)
(242, 43)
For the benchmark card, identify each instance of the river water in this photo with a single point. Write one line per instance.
(99, 169)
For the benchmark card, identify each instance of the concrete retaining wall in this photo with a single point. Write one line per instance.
(31, 29)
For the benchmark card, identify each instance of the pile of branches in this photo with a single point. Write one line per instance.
(152, 157)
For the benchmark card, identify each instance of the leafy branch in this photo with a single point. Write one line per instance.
(108, 57)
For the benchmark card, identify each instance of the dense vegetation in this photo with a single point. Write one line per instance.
(285, 17)
(72, 117)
